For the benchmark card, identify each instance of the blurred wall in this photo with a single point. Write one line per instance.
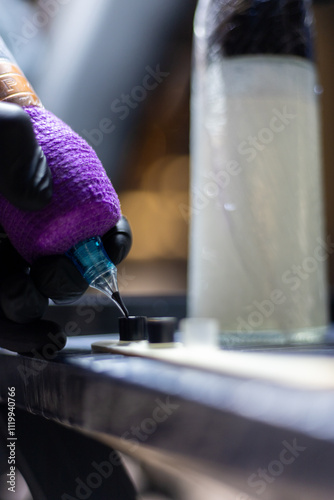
(324, 15)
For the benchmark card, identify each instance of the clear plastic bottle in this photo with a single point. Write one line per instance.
(258, 253)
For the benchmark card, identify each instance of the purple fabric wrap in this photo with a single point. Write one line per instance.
(84, 202)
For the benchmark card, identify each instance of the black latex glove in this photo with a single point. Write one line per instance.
(26, 181)
(25, 178)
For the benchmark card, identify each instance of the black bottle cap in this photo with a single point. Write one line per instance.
(252, 27)
(132, 328)
(161, 330)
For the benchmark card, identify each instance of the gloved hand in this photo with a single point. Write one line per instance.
(26, 181)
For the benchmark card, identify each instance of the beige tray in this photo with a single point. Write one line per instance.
(306, 372)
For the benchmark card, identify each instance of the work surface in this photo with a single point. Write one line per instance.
(267, 437)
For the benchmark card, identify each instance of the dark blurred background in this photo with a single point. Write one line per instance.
(118, 71)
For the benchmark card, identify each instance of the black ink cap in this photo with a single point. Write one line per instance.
(132, 328)
(161, 330)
